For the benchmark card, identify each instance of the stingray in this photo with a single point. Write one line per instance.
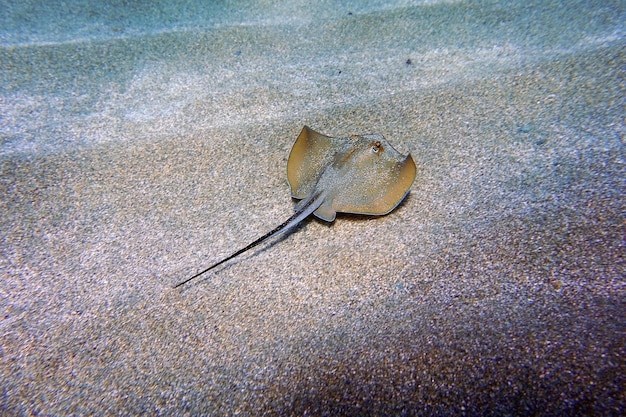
(358, 174)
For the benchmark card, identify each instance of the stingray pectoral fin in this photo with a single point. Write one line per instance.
(381, 191)
(398, 189)
(309, 156)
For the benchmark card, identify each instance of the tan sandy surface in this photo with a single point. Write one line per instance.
(497, 287)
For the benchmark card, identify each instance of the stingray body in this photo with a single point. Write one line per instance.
(360, 174)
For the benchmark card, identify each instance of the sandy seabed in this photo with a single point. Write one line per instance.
(138, 146)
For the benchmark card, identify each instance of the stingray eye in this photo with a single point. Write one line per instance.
(377, 147)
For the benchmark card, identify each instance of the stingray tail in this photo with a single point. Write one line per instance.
(305, 208)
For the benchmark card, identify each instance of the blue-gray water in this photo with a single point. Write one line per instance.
(71, 66)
